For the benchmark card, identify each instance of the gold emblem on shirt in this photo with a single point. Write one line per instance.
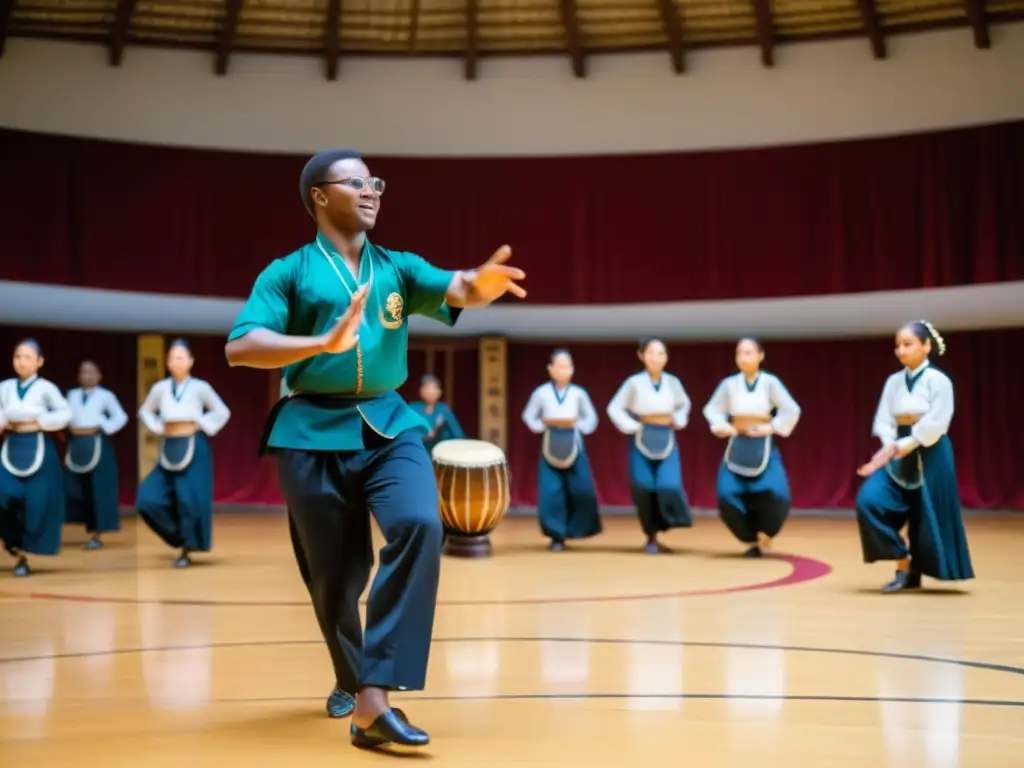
(393, 307)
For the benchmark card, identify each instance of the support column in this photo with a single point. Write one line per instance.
(494, 390)
(149, 369)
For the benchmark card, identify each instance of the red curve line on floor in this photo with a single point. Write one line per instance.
(804, 569)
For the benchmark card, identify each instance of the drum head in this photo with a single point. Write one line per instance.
(468, 453)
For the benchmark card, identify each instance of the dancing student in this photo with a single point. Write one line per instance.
(563, 413)
(918, 487)
(440, 418)
(753, 490)
(650, 406)
(31, 487)
(176, 497)
(90, 463)
(334, 314)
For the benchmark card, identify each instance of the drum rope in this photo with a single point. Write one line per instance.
(467, 506)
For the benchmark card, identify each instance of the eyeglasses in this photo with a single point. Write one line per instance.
(376, 184)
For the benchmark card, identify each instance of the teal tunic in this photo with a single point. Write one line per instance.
(346, 445)
(450, 428)
(304, 294)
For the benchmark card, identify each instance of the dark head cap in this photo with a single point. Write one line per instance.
(316, 170)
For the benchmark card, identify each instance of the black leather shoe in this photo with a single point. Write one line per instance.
(754, 551)
(392, 729)
(340, 704)
(903, 580)
(21, 569)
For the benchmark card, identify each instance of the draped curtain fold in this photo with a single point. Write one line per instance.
(938, 209)
(901, 212)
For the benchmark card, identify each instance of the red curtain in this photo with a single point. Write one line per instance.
(935, 209)
(945, 208)
(239, 477)
(63, 351)
(836, 383)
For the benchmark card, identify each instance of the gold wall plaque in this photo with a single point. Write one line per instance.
(149, 367)
(494, 390)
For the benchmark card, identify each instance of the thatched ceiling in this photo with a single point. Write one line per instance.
(471, 29)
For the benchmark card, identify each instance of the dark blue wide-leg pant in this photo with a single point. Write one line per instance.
(330, 497)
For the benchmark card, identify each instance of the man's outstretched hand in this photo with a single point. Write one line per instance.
(488, 282)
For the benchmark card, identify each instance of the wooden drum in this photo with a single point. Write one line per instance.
(473, 494)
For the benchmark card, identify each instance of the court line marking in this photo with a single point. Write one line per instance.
(655, 696)
(802, 569)
(982, 665)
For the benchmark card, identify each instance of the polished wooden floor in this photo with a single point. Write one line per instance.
(599, 655)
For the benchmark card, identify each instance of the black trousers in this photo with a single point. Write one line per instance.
(330, 497)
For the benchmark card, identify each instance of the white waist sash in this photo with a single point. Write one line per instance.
(560, 447)
(748, 456)
(22, 453)
(655, 441)
(94, 454)
(183, 449)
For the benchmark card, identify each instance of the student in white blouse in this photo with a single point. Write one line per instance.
(31, 485)
(650, 407)
(918, 487)
(176, 498)
(562, 412)
(90, 463)
(749, 409)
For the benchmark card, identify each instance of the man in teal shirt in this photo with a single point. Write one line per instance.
(334, 315)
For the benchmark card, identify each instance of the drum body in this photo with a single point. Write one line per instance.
(473, 493)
